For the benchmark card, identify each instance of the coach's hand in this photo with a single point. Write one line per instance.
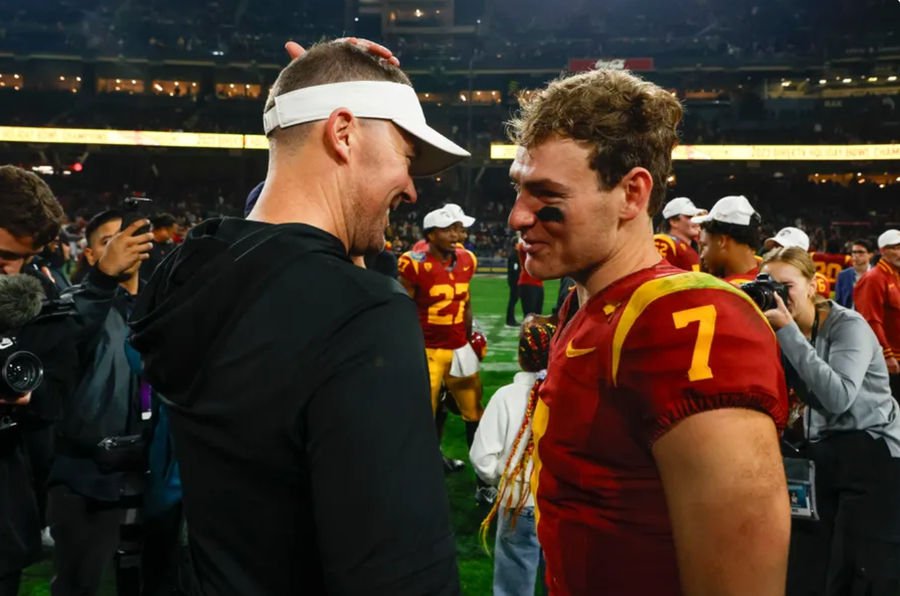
(295, 50)
(125, 250)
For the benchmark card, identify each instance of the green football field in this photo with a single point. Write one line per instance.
(489, 298)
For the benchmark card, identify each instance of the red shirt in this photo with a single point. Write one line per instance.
(738, 279)
(877, 298)
(442, 291)
(823, 285)
(677, 252)
(829, 265)
(622, 372)
(525, 278)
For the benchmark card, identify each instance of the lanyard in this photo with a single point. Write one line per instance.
(808, 417)
(815, 328)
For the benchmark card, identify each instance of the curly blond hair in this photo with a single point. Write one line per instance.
(628, 122)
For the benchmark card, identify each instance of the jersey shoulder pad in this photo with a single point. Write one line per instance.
(652, 290)
(665, 243)
(471, 256)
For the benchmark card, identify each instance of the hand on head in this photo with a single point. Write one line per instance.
(295, 50)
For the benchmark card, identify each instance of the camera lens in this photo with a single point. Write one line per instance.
(22, 372)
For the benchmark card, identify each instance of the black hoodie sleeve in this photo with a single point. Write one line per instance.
(380, 506)
(94, 297)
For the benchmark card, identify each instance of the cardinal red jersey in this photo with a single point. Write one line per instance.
(525, 278)
(442, 291)
(739, 279)
(877, 298)
(823, 285)
(830, 264)
(677, 252)
(650, 350)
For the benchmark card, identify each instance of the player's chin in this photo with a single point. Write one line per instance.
(542, 267)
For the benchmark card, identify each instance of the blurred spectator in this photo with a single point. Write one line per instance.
(531, 289)
(877, 298)
(861, 259)
(163, 229)
(501, 455)
(99, 456)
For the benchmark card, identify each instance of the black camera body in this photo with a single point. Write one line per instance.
(763, 289)
(21, 372)
(23, 302)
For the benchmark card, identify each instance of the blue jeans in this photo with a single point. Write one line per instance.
(516, 554)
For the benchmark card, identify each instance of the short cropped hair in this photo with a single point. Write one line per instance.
(28, 208)
(628, 123)
(98, 220)
(748, 234)
(865, 243)
(162, 220)
(332, 62)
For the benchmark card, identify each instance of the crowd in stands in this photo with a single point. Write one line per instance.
(832, 214)
(535, 34)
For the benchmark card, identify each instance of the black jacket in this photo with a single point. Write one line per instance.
(52, 336)
(105, 401)
(298, 394)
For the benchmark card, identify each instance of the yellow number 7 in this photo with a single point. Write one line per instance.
(706, 317)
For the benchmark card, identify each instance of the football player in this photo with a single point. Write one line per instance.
(657, 462)
(677, 245)
(438, 281)
(729, 237)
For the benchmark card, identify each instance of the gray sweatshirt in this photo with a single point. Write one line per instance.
(848, 376)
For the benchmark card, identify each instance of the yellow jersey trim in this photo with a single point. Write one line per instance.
(668, 241)
(651, 291)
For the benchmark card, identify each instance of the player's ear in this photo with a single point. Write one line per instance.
(637, 184)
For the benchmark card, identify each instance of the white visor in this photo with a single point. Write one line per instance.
(369, 99)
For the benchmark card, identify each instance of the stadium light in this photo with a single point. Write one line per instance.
(499, 151)
(874, 152)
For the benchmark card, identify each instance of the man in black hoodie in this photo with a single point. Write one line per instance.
(296, 381)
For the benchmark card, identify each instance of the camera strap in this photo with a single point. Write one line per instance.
(815, 328)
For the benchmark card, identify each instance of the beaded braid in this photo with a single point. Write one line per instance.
(532, 354)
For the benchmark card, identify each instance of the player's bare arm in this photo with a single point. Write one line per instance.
(729, 505)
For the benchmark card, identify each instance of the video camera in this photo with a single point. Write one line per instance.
(763, 289)
(22, 300)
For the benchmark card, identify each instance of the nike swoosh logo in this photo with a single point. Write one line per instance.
(573, 352)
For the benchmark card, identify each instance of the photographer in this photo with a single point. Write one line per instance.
(99, 455)
(852, 434)
(30, 218)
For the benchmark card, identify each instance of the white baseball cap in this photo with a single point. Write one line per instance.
(439, 218)
(889, 238)
(681, 206)
(459, 214)
(369, 99)
(789, 237)
(735, 210)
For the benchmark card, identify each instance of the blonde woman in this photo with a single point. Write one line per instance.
(851, 428)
